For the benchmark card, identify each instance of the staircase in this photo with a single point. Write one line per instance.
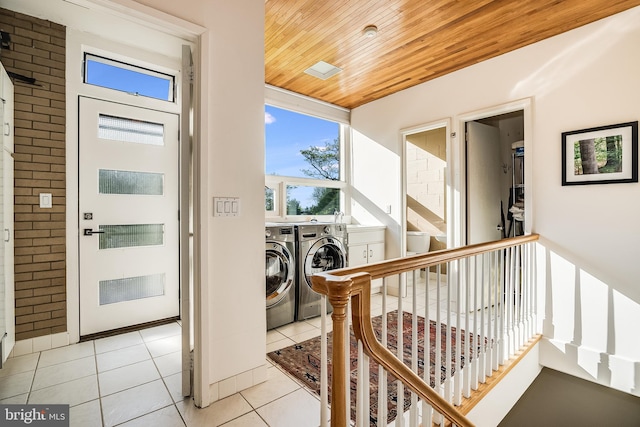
(480, 302)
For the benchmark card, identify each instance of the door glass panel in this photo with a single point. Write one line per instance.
(130, 130)
(126, 236)
(127, 182)
(131, 288)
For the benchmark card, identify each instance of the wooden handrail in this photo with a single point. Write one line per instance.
(402, 265)
(358, 287)
(354, 284)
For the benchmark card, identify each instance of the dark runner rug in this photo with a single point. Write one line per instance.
(303, 361)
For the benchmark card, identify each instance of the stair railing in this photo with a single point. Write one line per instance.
(486, 296)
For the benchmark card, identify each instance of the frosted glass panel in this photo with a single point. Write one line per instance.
(127, 182)
(130, 130)
(131, 288)
(126, 236)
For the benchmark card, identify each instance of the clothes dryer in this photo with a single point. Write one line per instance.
(280, 274)
(321, 247)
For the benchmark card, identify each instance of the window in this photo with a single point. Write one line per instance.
(303, 164)
(128, 78)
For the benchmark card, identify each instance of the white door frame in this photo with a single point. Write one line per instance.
(150, 18)
(404, 133)
(460, 191)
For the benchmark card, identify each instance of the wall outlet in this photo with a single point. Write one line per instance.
(46, 200)
(388, 209)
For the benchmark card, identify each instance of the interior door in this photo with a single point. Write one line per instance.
(7, 288)
(128, 208)
(483, 183)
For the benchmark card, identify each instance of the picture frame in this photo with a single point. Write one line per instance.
(600, 155)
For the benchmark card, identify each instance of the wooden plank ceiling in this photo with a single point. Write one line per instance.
(417, 40)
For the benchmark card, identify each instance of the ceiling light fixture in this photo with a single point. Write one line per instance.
(370, 31)
(323, 70)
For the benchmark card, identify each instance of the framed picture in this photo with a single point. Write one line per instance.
(602, 155)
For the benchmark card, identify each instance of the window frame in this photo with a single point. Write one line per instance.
(171, 78)
(279, 183)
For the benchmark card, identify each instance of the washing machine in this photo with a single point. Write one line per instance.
(321, 247)
(280, 274)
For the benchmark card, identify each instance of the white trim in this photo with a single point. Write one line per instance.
(449, 214)
(282, 98)
(460, 221)
(145, 16)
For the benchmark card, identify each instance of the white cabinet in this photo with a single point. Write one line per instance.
(7, 310)
(365, 246)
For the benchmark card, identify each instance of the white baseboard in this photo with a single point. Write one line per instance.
(34, 345)
(237, 383)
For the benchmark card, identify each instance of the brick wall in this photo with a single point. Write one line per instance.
(38, 51)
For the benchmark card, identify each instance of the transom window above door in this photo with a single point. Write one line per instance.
(117, 75)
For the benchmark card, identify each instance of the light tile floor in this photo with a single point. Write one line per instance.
(134, 379)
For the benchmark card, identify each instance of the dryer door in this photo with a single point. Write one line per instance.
(279, 272)
(325, 254)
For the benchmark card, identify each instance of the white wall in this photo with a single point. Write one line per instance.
(231, 163)
(584, 78)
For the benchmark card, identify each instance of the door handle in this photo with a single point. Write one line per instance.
(90, 232)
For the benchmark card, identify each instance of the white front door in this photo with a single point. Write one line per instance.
(128, 215)
(484, 170)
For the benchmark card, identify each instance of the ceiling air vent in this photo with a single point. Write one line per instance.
(323, 70)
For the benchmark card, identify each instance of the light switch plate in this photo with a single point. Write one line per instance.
(226, 206)
(46, 200)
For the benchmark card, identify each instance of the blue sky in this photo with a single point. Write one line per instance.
(113, 77)
(286, 133)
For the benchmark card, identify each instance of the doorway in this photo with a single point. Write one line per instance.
(495, 184)
(128, 216)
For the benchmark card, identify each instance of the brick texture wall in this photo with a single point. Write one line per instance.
(38, 51)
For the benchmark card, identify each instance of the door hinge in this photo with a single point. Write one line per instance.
(190, 74)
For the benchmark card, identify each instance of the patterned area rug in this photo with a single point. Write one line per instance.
(303, 361)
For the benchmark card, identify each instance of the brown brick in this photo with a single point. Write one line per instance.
(49, 257)
(58, 233)
(23, 311)
(48, 126)
(22, 209)
(32, 35)
(52, 176)
(20, 329)
(48, 143)
(33, 267)
(59, 329)
(50, 323)
(49, 110)
(41, 308)
(31, 133)
(48, 274)
(32, 284)
(32, 234)
(32, 200)
(32, 217)
(58, 297)
(22, 277)
(45, 299)
(33, 250)
(48, 159)
(35, 317)
(29, 149)
(22, 106)
(55, 314)
(22, 115)
(25, 259)
(22, 242)
(26, 293)
(22, 157)
(51, 290)
(32, 166)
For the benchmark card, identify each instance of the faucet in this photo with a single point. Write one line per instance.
(337, 214)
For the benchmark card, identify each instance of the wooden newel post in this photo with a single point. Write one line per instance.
(338, 290)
